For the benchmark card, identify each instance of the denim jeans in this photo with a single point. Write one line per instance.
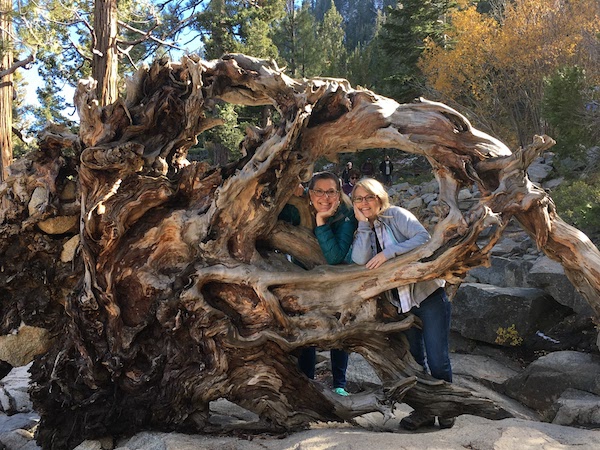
(429, 346)
(339, 363)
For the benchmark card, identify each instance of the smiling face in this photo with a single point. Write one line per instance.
(370, 208)
(325, 202)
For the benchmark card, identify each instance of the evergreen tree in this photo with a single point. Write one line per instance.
(297, 40)
(6, 87)
(69, 48)
(331, 42)
(320, 7)
(564, 108)
(233, 26)
(403, 37)
(360, 19)
(368, 65)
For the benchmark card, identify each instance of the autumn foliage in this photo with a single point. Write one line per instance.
(496, 62)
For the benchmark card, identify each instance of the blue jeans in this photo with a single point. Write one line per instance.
(432, 340)
(339, 363)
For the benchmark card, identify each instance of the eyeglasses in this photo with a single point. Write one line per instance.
(321, 193)
(354, 178)
(367, 198)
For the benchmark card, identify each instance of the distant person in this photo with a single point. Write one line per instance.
(368, 168)
(354, 177)
(386, 168)
(345, 176)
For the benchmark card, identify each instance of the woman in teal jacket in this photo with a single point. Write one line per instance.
(334, 224)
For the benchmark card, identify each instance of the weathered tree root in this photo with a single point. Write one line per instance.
(183, 300)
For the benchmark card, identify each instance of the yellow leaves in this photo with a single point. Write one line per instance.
(504, 60)
(461, 62)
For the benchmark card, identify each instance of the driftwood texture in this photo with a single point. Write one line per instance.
(181, 294)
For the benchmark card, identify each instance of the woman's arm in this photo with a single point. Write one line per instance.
(362, 249)
(404, 222)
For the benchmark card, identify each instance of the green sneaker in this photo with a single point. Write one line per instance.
(342, 392)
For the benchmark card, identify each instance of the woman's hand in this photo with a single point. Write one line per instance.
(322, 216)
(359, 215)
(376, 261)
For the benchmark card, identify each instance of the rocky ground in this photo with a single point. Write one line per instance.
(483, 373)
(521, 335)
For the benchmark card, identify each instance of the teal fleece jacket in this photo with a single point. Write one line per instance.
(335, 237)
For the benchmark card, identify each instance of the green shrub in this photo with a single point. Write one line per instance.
(578, 203)
(564, 110)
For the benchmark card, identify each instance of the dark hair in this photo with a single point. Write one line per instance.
(325, 176)
(338, 182)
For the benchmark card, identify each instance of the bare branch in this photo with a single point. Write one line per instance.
(146, 35)
(22, 63)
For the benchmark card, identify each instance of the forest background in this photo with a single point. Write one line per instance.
(515, 68)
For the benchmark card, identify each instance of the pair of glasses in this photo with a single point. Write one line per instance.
(366, 198)
(321, 193)
(354, 178)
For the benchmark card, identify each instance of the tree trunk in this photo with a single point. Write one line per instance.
(105, 63)
(181, 293)
(6, 87)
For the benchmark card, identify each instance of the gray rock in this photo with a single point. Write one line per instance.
(429, 198)
(538, 172)
(224, 412)
(89, 445)
(553, 184)
(430, 187)
(14, 397)
(401, 187)
(415, 203)
(360, 371)
(503, 272)
(548, 157)
(18, 440)
(464, 194)
(469, 432)
(500, 315)
(25, 421)
(570, 165)
(506, 246)
(39, 201)
(484, 369)
(542, 383)
(576, 407)
(550, 275)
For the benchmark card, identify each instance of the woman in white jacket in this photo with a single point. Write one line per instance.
(386, 231)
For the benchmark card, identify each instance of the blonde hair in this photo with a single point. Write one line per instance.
(375, 188)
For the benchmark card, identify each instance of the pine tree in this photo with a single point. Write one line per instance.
(403, 37)
(74, 41)
(6, 89)
(296, 39)
(330, 36)
(564, 107)
(231, 26)
(360, 21)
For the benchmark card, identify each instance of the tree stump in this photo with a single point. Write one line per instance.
(181, 294)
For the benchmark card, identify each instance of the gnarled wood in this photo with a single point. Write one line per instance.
(186, 296)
